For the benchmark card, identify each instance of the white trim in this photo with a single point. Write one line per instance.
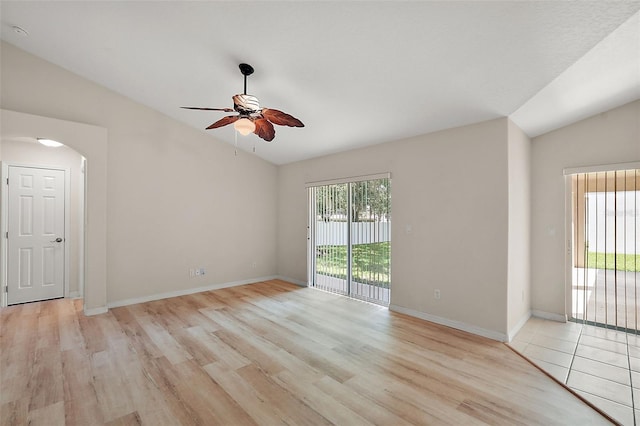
(549, 316)
(96, 311)
(82, 219)
(292, 281)
(67, 229)
(514, 331)
(75, 295)
(494, 335)
(187, 291)
(311, 231)
(601, 168)
(568, 247)
(3, 228)
(385, 175)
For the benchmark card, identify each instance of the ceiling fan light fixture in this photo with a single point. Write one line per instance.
(244, 126)
(49, 142)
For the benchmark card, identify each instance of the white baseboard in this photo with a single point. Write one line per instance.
(512, 333)
(494, 335)
(74, 295)
(187, 291)
(293, 281)
(96, 311)
(549, 316)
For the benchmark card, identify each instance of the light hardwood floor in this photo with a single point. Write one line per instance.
(267, 353)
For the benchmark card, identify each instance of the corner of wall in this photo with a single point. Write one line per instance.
(513, 331)
(519, 234)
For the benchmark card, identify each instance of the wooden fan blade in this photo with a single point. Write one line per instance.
(210, 109)
(224, 121)
(281, 118)
(264, 129)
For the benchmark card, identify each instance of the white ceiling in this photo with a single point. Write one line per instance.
(356, 73)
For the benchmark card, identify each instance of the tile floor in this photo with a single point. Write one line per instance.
(602, 365)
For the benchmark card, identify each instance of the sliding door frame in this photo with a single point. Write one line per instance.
(311, 225)
(569, 237)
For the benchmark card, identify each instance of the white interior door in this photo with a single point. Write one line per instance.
(35, 241)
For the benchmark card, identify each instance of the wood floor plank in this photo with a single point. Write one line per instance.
(15, 412)
(163, 377)
(81, 401)
(163, 339)
(130, 419)
(332, 409)
(69, 331)
(254, 347)
(52, 414)
(219, 349)
(110, 386)
(137, 336)
(210, 400)
(45, 382)
(94, 338)
(292, 409)
(376, 391)
(260, 410)
(358, 403)
(267, 353)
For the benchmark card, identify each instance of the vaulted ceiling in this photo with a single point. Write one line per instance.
(356, 73)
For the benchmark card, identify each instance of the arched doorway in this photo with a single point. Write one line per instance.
(91, 143)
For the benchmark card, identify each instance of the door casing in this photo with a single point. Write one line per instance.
(568, 213)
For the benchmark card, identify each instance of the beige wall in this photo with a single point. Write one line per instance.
(458, 229)
(607, 138)
(176, 197)
(519, 261)
(35, 154)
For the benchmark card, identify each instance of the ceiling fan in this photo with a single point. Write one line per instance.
(251, 118)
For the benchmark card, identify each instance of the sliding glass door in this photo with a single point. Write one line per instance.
(606, 248)
(331, 238)
(350, 238)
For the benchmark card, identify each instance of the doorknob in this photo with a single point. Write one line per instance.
(57, 240)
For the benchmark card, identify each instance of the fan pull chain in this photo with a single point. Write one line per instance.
(236, 142)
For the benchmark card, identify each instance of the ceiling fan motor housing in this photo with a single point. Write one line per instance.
(246, 104)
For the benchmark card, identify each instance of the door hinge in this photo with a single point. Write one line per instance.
(6, 234)
(7, 181)
(6, 289)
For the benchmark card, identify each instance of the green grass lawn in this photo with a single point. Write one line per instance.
(622, 262)
(370, 262)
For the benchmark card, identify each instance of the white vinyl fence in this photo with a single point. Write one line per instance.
(335, 233)
(614, 222)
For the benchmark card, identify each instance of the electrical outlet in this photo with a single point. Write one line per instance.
(197, 272)
(436, 294)
(202, 271)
